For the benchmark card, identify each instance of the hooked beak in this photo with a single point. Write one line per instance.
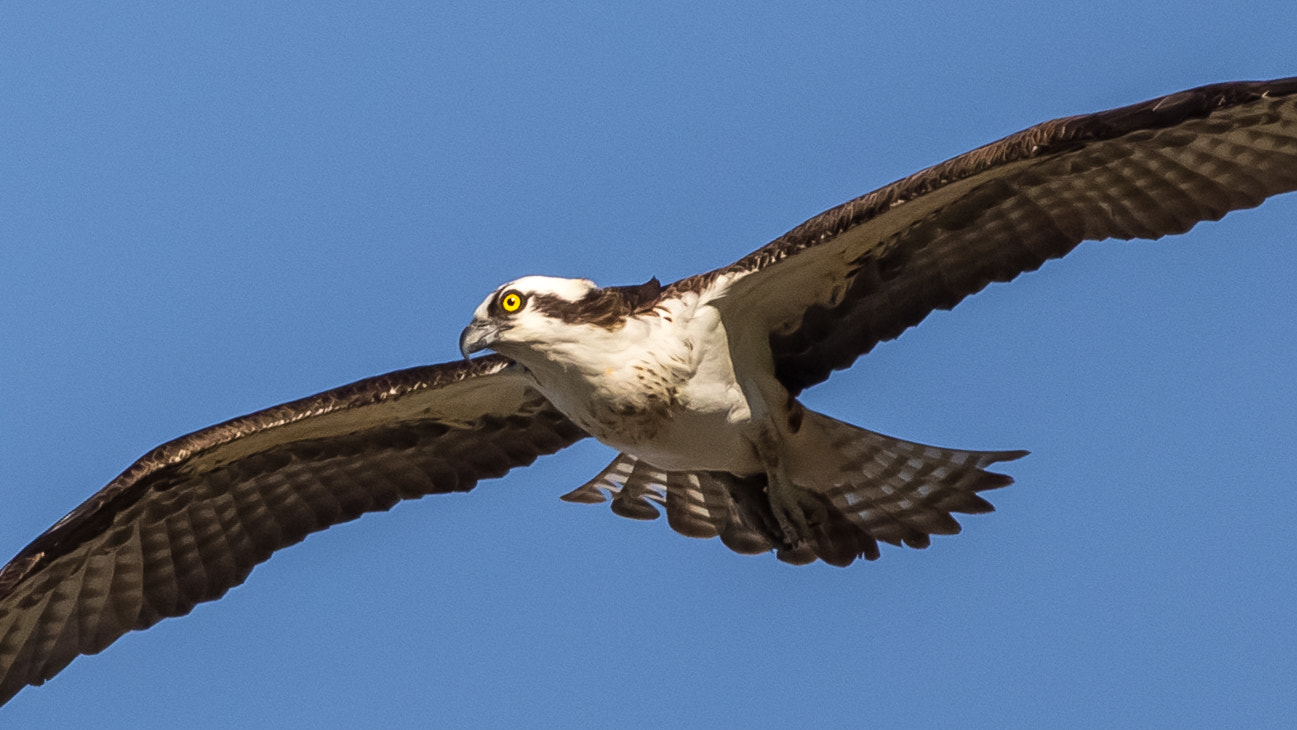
(478, 335)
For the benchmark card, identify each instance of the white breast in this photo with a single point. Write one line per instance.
(661, 388)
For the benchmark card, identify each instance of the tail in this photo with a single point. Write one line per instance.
(880, 488)
(889, 489)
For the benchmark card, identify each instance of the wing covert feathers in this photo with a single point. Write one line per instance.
(190, 520)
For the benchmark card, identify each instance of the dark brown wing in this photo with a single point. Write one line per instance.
(831, 289)
(190, 519)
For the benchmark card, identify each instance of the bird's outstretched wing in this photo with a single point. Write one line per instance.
(190, 519)
(832, 288)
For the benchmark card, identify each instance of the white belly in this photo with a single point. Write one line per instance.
(696, 435)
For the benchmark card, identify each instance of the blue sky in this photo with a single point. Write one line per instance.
(205, 211)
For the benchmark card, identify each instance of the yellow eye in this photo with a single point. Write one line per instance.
(511, 302)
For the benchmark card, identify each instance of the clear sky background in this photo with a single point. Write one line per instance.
(208, 211)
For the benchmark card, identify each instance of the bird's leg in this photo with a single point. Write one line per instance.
(793, 507)
(784, 504)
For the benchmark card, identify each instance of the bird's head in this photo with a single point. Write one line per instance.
(525, 312)
(535, 313)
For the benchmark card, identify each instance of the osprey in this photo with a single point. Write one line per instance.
(694, 384)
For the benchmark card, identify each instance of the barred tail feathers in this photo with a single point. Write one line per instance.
(880, 489)
(902, 492)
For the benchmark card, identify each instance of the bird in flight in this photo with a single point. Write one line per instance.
(695, 384)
